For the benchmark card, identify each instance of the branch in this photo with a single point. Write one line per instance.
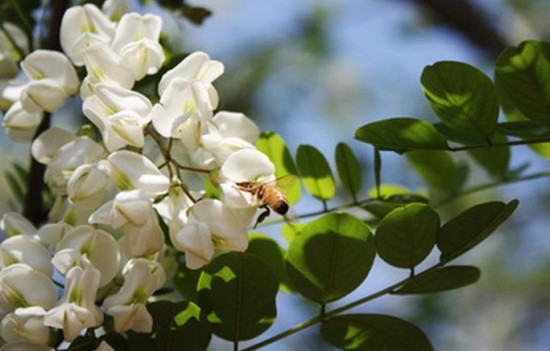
(469, 20)
(33, 206)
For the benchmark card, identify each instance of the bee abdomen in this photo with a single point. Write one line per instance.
(282, 208)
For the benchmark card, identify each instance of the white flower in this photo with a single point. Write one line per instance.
(20, 124)
(51, 233)
(87, 184)
(114, 9)
(133, 209)
(196, 67)
(246, 165)
(53, 80)
(142, 278)
(97, 246)
(76, 310)
(182, 112)
(67, 158)
(104, 66)
(120, 115)
(23, 286)
(9, 57)
(13, 223)
(210, 225)
(173, 209)
(25, 324)
(136, 41)
(228, 132)
(81, 27)
(25, 249)
(131, 206)
(130, 170)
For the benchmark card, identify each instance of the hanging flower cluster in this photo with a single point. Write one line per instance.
(105, 244)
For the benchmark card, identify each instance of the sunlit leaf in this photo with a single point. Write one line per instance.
(332, 255)
(472, 226)
(402, 135)
(462, 96)
(374, 332)
(406, 236)
(174, 324)
(316, 173)
(437, 168)
(185, 281)
(237, 294)
(522, 76)
(272, 145)
(348, 168)
(441, 279)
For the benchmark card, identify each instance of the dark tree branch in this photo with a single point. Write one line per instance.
(33, 206)
(469, 20)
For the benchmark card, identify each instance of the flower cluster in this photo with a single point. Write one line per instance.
(120, 196)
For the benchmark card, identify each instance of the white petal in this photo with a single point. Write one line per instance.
(48, 143)
(22, 286)
(79, 22)
(131, 170)
(196, 66)
(234, 124)
(20, 124)
(24, 249)
(247, 165)
(13, 223)
(41, 64)
(43, 95)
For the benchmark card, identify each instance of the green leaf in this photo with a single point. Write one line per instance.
(348, 169)
(494, 159)
(374, 332)
(174, 324)
(332, 255)
(472, 226)
(195, 14)
(441, 279)
(522, 77)
(316, 173)
(185, 281)
(406, 236)
(462, 96)
(524, 129)
(271, 253)
(272, 145)
(291, 229)
(237, 294)
(437, 168)
(380, 208)
(402, 135)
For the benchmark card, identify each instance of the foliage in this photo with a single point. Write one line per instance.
(157, 233)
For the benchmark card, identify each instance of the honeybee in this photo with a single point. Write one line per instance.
(270, 194)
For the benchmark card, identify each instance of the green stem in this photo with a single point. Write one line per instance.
(508, 143)
(388, 290)
(493, 185)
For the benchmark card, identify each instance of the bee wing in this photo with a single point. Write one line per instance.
(286, 182)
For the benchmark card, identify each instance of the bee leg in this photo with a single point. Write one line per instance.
(262, 216)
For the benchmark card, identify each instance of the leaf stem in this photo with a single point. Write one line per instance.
(21, 15)
(318, 319)
(502, 144)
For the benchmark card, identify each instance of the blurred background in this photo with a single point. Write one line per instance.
(316, 70)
